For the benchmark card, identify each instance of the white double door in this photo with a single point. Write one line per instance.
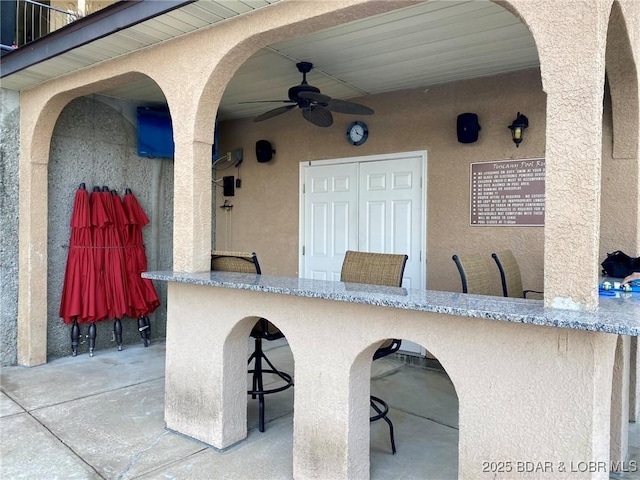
(371, 204)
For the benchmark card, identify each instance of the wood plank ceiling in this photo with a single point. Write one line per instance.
(426, 44)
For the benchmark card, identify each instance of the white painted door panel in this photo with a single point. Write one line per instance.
(391, 212)
(331, 203)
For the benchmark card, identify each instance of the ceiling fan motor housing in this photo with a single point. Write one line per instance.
(295, 91)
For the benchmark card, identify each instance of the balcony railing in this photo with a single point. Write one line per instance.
(24, 21)
(35, 20)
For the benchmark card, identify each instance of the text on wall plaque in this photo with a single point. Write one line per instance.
(507, 193)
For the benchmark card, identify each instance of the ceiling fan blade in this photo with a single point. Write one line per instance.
(319, 116)
(274, 112)
(267, 101)
(342, 106)
(315, 97)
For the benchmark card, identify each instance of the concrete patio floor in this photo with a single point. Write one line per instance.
(102, 418)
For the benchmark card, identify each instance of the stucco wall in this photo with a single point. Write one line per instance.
(419, 119)
(9, 154)
(617, 224)
(94, 142)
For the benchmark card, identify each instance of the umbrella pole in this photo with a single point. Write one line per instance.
(92, 338)
(143, 328)
(117, 331)
(147, 332)
(75, 336)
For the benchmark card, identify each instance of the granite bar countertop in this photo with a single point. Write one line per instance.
(619, 315)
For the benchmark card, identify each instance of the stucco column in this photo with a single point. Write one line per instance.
(572, 215)
(623, 55)
(331, 408)
(634, 384)
(192, 205)
(38, 115)
(536, 408)
(205, 397)
(32, 282)
(572, 68)
(620, 402)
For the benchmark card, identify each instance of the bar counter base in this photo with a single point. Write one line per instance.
(528, 394)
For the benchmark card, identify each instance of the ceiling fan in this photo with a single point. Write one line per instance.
(316, 107)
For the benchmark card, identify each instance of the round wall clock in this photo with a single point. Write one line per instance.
(357, 133)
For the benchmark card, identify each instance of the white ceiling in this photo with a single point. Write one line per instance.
(426, 44)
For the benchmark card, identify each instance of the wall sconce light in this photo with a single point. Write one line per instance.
(517, 128)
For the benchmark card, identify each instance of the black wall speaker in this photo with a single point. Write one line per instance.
(264, 152)
(468, 127)
(228, 186)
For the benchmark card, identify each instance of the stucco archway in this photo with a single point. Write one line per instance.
(41, 106)
(278, 194)
(94, 143)
(422, 400)
(39, 115)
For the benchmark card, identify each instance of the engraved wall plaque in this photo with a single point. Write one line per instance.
(507, 193)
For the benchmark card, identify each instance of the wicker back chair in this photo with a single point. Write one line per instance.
(510, 275)
(246, 262)
(241, 262)
(373, 268)
(376, 269)
(473, 273)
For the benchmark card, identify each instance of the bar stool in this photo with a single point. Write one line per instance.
(376, 269)
(245, 262)
(474, 274)
(510, 275)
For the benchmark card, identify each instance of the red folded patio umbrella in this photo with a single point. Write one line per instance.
(71, 304)
(78, 301)
(116, 262)
(137, 304)
(99, 219)
(114, 266)
(143, 298)
(106, 258)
